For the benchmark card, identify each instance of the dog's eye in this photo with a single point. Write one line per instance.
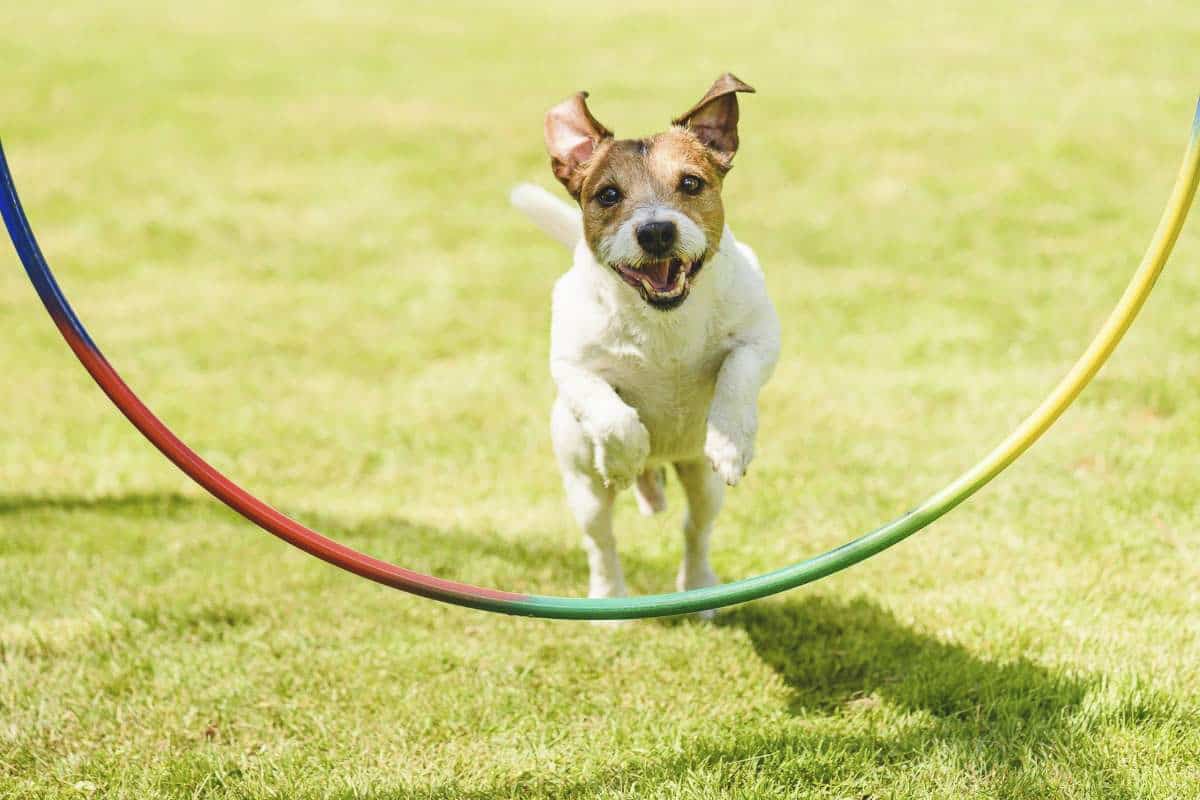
(690, 184)
(608, 197)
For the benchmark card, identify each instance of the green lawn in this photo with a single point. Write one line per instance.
(286, 224)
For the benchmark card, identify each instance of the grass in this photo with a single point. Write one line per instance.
(286, 225)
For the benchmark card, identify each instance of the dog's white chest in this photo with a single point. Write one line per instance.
(664, 365)
(672, 392)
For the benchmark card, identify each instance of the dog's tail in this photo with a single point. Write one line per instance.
(557, 218)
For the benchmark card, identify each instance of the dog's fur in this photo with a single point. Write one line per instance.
(658, 348)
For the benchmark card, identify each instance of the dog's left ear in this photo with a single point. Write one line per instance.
(714, 119)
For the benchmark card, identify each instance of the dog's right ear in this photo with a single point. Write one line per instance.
(572, 135)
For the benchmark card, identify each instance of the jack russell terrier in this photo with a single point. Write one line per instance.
(662, 333)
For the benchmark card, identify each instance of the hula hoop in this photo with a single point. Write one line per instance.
(740, 591)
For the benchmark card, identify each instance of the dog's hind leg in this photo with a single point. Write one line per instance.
(651, 491)
(591, 503)
(705, 492)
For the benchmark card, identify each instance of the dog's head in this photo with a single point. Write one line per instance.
(652, 207)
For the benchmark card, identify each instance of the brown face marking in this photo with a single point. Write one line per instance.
(649, 172)
(681, 169)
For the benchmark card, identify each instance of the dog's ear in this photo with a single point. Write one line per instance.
(714, 119)
(572, 135)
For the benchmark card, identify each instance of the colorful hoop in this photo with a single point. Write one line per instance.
(740, 591)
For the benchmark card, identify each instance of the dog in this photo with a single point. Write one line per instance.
(662, 333)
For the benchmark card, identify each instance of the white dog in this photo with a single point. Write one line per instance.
(662, 331)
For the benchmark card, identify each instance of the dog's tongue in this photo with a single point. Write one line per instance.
(658, 272)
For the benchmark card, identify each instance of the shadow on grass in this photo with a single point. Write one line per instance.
(870, 693)
(416, 545)
(989, 719)
(831, 653)
(867, 692)
(140, 503)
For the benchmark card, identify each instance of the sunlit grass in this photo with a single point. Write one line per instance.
(286, 226)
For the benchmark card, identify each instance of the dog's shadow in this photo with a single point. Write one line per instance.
(862, 683)
(831, 653)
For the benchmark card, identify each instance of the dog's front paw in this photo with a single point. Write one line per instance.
(622, 447)
(729, 448)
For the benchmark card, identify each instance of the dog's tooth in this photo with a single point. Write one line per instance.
(646, 283)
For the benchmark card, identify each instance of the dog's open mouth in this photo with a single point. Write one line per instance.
(663, 284)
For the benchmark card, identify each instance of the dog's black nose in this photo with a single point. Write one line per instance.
(657, 238)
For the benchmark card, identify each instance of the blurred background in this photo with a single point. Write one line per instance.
(286, 224)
